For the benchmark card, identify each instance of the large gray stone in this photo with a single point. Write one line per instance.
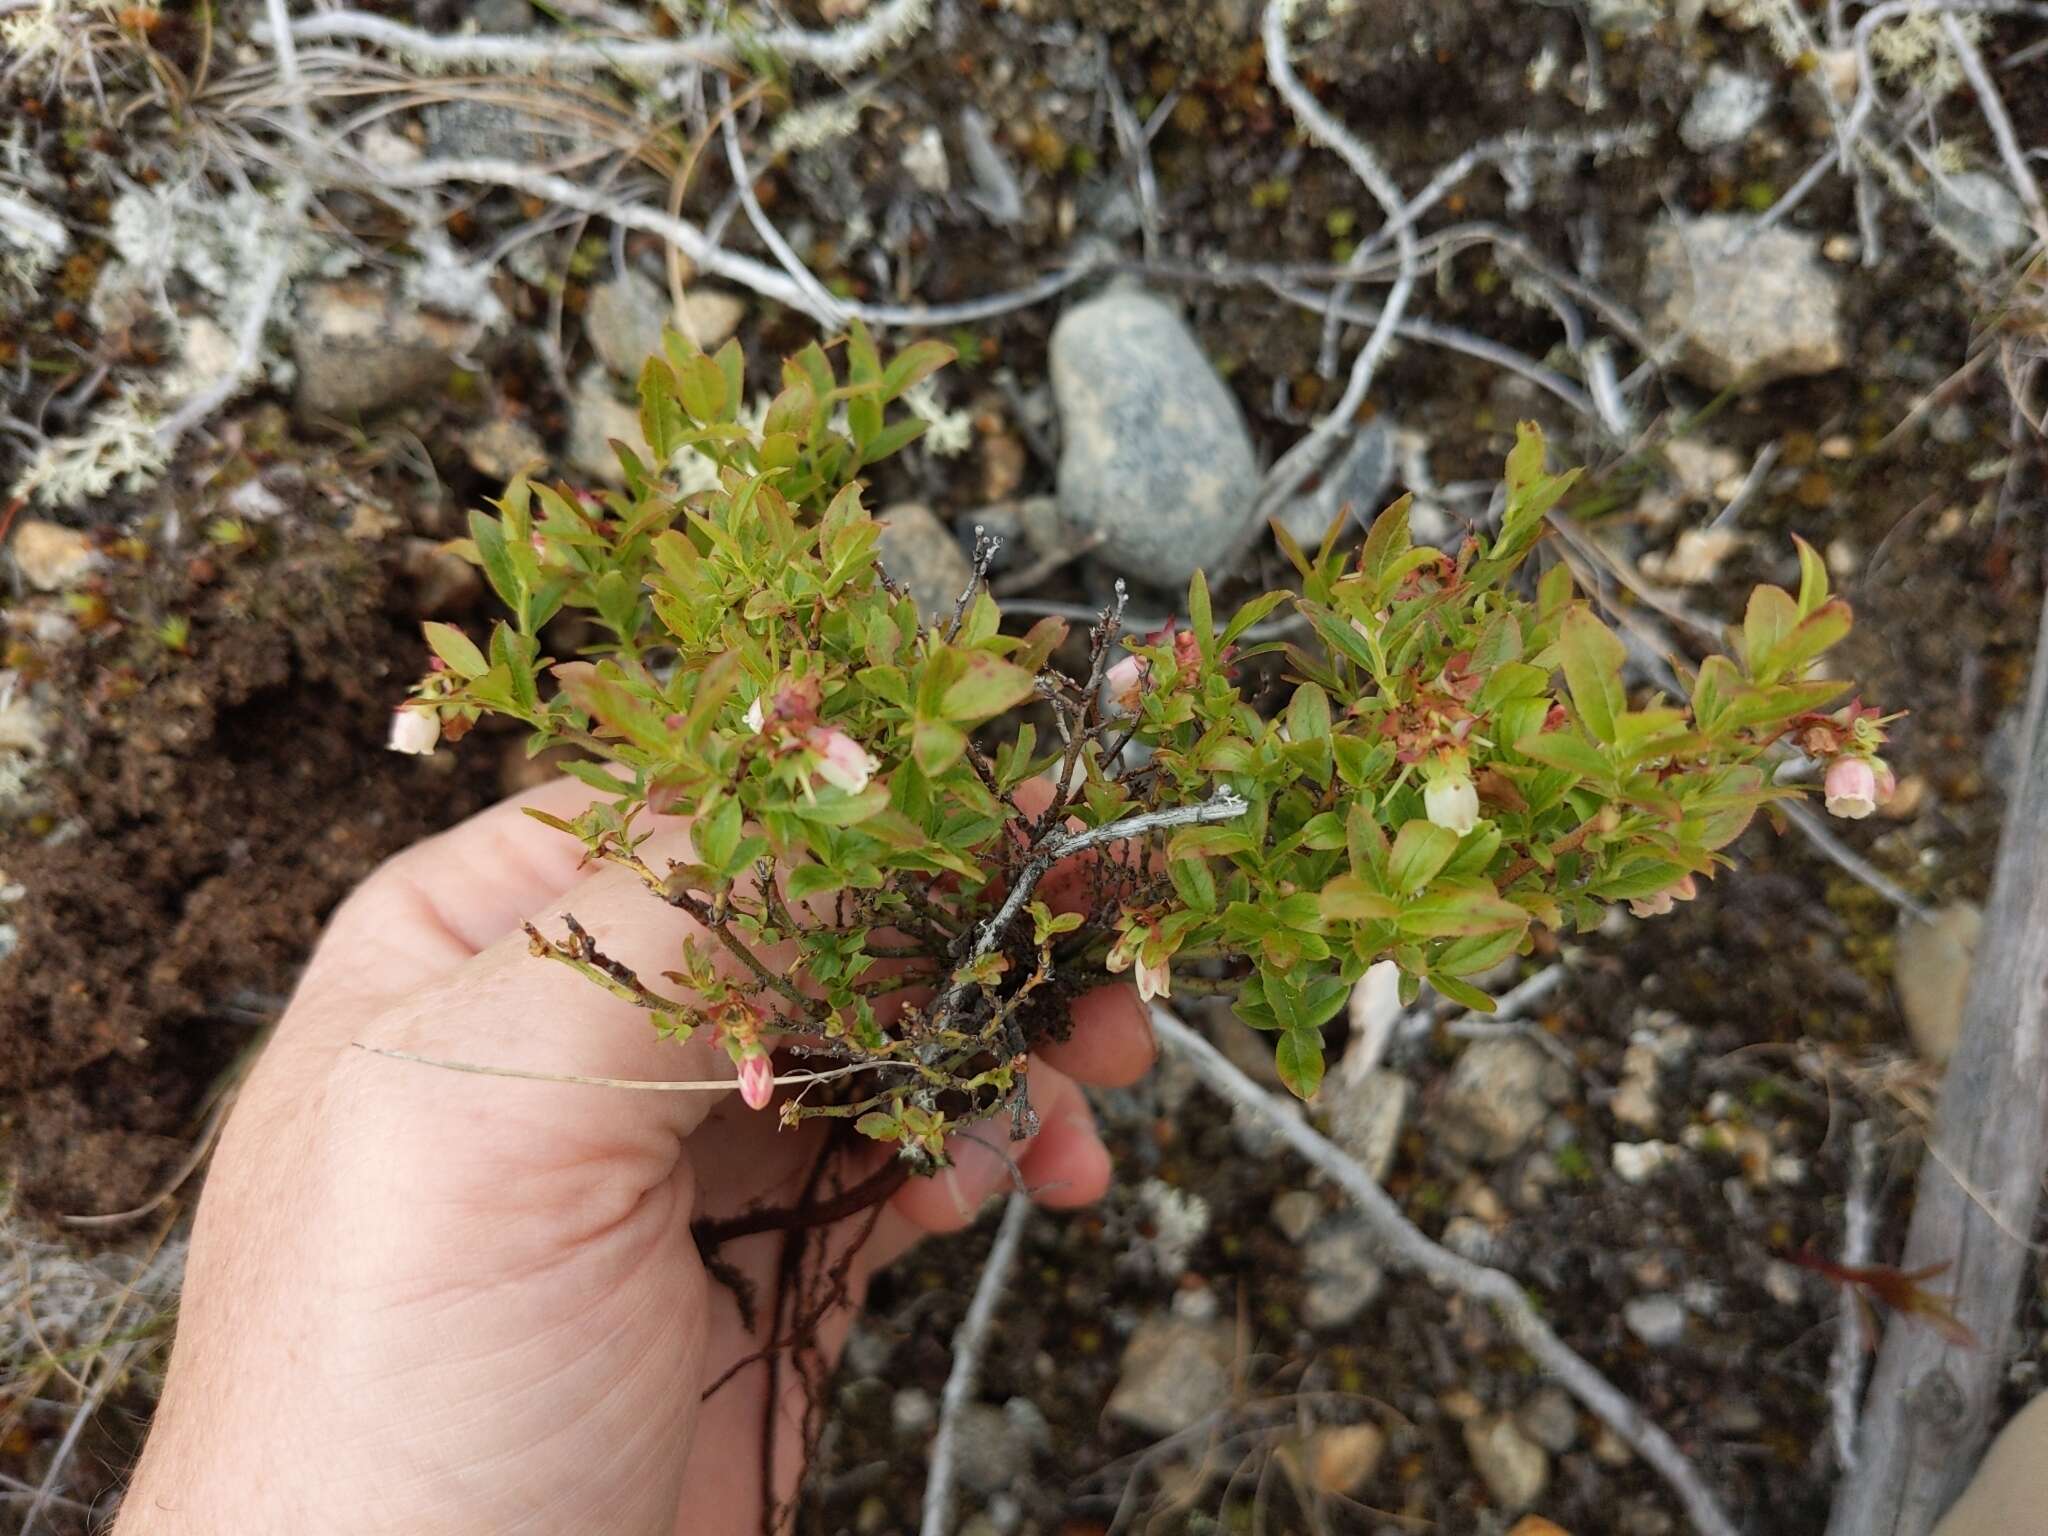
(1341, 1271)
(1155, 456)
(1978, 215)
(1174, 1373)
(361, 349)
(1366, 1117)
(1494, 1103)
(919, 551)
(1745, 307)
(624, 319)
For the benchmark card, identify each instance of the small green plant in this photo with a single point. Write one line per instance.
(1447, 759)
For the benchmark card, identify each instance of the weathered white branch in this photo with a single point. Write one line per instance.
(1845, 1365)
(1404, 1246)
(846, 48)
(965, 1374)
(710, 257)
(1929, 1408)
(1992, 105)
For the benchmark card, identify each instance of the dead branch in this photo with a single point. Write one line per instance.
(1845, 1365)
(1930, 1404)
(1405, 1247)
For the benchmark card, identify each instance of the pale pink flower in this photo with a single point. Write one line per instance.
(842, 761)
(1126, 682)
(755, 718)
(757, 1082)
(1121, 953)
(1851, 788)
(414, 731)
(1154, 980)
(1452, 801)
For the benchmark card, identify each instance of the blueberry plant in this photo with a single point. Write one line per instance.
(915, 839)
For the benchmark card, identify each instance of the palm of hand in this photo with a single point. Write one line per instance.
(426, 1301)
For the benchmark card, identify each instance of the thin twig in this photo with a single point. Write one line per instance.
(1404, 1246)
(643, 1085)
(1992, 105)
(965, 1374)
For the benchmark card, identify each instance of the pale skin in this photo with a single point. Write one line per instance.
(431, 1302)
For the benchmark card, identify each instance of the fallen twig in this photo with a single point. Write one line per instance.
(1404, 1246)
(965, 1374)
(1929, 1408)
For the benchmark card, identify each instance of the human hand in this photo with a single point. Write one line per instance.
(431, 1302)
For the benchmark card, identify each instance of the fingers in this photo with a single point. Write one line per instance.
(1111, 1045)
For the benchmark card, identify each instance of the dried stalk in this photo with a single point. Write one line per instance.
(1930, 1404)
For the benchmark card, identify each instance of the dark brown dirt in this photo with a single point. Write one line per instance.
(223, 802)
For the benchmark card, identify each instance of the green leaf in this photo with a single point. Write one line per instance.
(1348, 899)
(1200, 620)
(1568, 750)
(503, 576)
(1308, 714)
(1197, 887)
(986, 687)
(1421, 849)
(1771, 617)
(808, 880)
(1592, 656)
(1813, 577)
(836, 808)
(1298, 1056)
(457, 649)
(913, 364)
(936, 746)
(718, 834)
(1461, 912)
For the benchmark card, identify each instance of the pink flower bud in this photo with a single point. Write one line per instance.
(1126, 681)
(755, 718)
(757, 1082)
(1887, 783)
(1154, 980)
(842, 761)
(1851, 788)
(414, 731)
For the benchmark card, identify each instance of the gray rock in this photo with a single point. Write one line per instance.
(1550, 1418)
(596, 416)
(1173, 1374)
(1726, 106)
(1978, 215)
(991, 1452)
(52, 557)
(1028, 1420)
(1341, 1273)
(1494, 1104)
(1296, 1213)
(1155, 456)
(924, 159)
(1366, 1117)
(1357, 480)
(1744, 314)
(1657, 1320)
(1469, 1238)
(624, 320)
(1514, 1468)
(912, 1413)
(919, 551)
(1625, 15)
(502, 448)
(1931, 968)
(360, 350)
